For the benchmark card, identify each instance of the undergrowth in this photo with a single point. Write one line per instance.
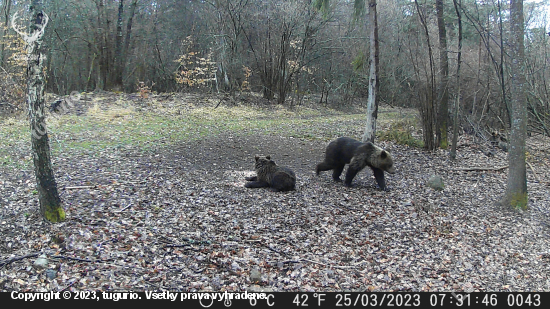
(400, 131)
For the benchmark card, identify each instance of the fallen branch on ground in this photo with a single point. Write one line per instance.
(17, 258)
(481, 168)
(534, 173)
(79, 187)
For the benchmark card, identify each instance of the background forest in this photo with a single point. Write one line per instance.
(287, 49)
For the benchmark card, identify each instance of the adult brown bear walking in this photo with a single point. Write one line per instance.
(358, 155)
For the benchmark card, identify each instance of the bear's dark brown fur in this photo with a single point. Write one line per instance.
(269, 174)
(358, 155)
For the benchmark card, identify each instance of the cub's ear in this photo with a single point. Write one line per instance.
(383, 154)
(257, 158)
(268, 157)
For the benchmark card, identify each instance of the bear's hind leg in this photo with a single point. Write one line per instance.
(282, 182)
(321, 167)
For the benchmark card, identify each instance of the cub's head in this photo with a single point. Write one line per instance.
(263, 162)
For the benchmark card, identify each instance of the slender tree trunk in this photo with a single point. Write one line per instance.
(100, 41)
(50, 203)
(7, 8)
(427, 108)
(118, 69)
(372, 102)
(107, 65)
(443, 106)
(128, 34)
(452, 154)
(516, 189)
(501, 64)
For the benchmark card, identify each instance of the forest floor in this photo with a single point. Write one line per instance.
(155, 200)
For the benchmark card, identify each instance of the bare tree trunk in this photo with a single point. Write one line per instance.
(106, 60)
(128, 33)
(6, 8)
(372, 102)
(516, 189)
(100, 41)
(427, 107)
(501, 64)
(50, 203)
(283, 82)
(117, 80)
(443, 106)
(452, 154)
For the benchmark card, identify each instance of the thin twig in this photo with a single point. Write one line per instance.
(78, 259)
(17, 258)
(68, 286)
(534, 173)
(125, 208)
(481, 168)
(319, 263)
(79, 187)
(176, 246)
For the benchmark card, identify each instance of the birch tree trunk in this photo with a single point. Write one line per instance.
(372, 103)
(516, 188)
(50, 203)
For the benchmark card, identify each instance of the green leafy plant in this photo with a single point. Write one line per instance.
(401, 132)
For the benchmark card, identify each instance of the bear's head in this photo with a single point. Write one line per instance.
(263, 162)
(377, 157)
(385, 161)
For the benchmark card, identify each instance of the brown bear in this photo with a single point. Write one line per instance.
(269, 174)
(344, 150)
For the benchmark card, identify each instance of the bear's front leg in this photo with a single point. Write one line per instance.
(355, 166)
(256, 184)
(379, 175)
(251, 178)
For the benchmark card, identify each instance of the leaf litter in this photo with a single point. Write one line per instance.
(177, 217)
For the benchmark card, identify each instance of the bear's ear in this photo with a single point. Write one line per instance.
(268, 157)
(257, 158)
(383, 154)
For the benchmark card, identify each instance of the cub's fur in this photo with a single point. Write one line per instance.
(358, 155)
(269, 174)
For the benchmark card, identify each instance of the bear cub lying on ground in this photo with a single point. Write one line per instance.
(269, 174)
(344, 150)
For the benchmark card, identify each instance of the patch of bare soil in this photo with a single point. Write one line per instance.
(180, 219)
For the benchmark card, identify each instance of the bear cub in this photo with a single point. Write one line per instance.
(269, 174)
(358, 155)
